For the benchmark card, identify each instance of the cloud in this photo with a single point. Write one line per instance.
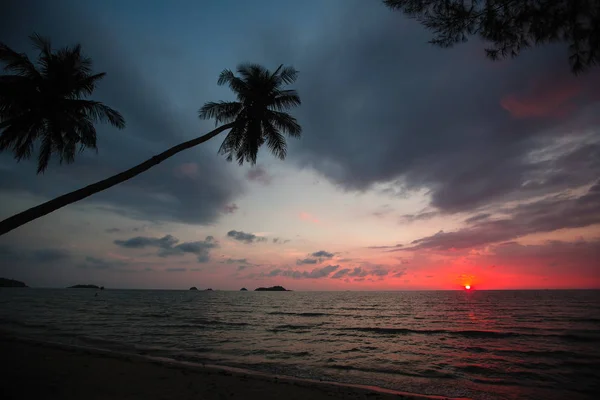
(176, 269)
(580, 257)
(471, 148)
(422, 216)
(304, 216)
(236, 261)
(168, 246)
(384, 247)
(230, 208)
(259, 174)
(316, 273)
(49, 255)
(244, 237)
(140, 242)
(399, 274)
(357, 272)
(154, 123)
(280, 241)
(307, 261)
(113, 230)
(545, 215)
(477, 217)
(315, 258)
(100, 263)
(383, 211)
(545, 99)
(43, 255)
(322, 254)
(242, 267)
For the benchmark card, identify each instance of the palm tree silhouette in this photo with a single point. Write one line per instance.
(46, 103)
(257, 117)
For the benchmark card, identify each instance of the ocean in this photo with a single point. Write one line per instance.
(477, 344)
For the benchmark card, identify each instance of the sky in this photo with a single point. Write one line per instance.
(419, 168)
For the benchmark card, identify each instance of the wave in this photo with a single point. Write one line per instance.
(24, 324)
(429, 373)
(210, 322)
(301, 314)
(290, 327)
(469, 333)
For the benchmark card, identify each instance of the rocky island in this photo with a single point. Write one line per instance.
(243, 289)
(85, 287)
(272, 289)
(4, 282)
(193, 288)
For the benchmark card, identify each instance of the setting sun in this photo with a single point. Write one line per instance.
(468, 287)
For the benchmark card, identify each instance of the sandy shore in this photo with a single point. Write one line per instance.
(46, 370)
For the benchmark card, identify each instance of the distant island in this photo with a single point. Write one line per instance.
(5, 282)
(243, 289)
(272, 289)
(193, 288)
(208, 290)
(86, 287)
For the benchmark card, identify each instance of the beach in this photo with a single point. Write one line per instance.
(50, 370)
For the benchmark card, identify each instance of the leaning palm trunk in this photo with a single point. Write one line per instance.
(39, 211)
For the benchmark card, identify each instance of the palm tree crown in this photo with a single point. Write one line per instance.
(45, 104)
(258, 116)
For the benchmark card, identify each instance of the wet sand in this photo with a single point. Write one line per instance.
(42, 370)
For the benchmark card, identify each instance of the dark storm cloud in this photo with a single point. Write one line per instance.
(380, 105)
(316, 273)
(153, 125)
(168, 246)
(546, 215)
(244, 237)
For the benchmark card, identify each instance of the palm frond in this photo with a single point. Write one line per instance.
(250, 71)
(285, 123)
(275, 140)
(87, 84)
(17, 63)
(288, 75)
(284, 100)
(96, 111)
(222, 111)
(41, 43)
(237, 85)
